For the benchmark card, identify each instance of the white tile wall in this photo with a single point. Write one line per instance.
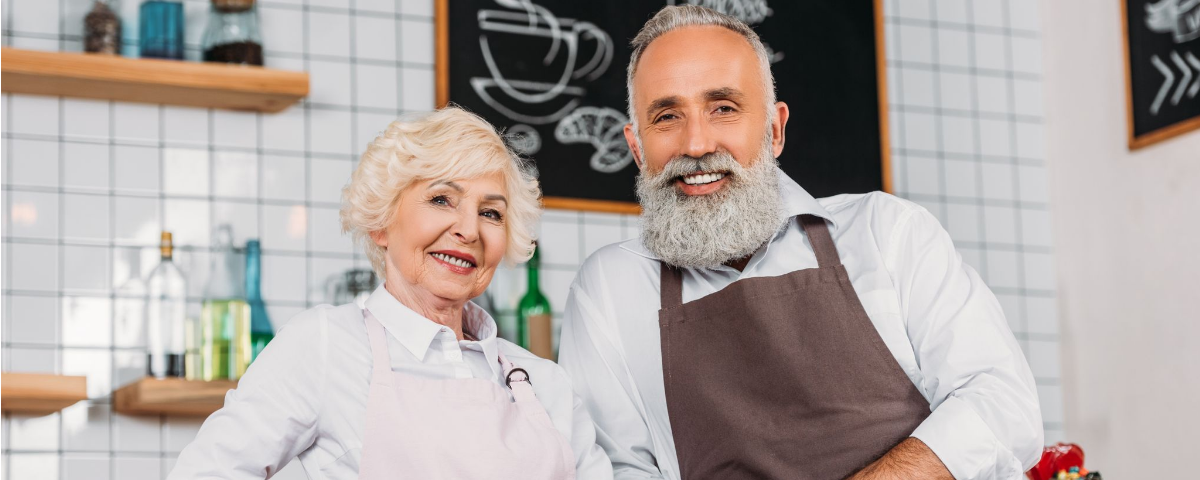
(88, 185)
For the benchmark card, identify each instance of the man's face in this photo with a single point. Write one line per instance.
(708, 184)
(699, 90)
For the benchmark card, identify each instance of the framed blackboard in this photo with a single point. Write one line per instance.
(1162, 59)
(551, 74)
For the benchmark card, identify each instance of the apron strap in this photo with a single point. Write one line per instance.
(381, 370)
(822, 242)
(670, 286)
(517, 380)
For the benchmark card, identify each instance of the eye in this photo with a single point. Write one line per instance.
(492, 214)
(726, 109)
(665, 117)
(441, 200)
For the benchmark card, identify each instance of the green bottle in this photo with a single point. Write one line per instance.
(534, 331)
(261, 331)
(224, 335)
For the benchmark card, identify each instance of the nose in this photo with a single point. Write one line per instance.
(466, 229)
(698, 139)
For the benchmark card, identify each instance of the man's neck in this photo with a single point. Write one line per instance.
(739, 264)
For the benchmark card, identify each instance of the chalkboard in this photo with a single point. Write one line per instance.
(551, 74)
(1162, 54)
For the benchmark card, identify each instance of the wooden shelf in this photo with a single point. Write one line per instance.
(40, 393)
(172, 396)
(171, 82)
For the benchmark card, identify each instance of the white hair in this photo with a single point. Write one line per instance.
(450, 143)
(678, 16)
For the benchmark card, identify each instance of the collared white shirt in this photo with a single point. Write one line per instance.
(938, 319)
(306, 394)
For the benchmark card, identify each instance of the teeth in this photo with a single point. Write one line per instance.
(452, 260)
(703, 178)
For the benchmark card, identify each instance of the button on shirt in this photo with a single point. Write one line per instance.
(940, 322)
(306, 395)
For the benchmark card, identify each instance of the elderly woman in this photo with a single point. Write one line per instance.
(415, 385)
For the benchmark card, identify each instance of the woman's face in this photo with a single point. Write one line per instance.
(446, 238)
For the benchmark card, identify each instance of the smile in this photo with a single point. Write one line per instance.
(703, 178)
(454, 261)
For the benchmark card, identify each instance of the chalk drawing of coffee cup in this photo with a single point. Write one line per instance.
(549, 92)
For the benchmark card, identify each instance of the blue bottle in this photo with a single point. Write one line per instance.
(160, 31)
(260, 325)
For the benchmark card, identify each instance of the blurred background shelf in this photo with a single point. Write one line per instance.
(209, 85)
(172, 396)
(40, 393)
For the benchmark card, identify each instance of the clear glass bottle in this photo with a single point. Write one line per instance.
(224, 334)
(166, 315)
(534, 317)
(102, 28)
(261, 331)
(233, 35)
(160, 29)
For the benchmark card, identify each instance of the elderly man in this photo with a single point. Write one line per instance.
(756, 332)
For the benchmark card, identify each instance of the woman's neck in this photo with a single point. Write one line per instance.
(440, 311)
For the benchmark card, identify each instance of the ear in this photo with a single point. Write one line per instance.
(778, 128)
(380, 238)
(631, 139)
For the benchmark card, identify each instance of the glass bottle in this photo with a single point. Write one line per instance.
(166, 315)
(260, 324)
(534, 315)
(232, 35)
(102, 29)
(225, 316)
(160, 29)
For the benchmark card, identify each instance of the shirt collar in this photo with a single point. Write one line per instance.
(417, 333)
(796, 201)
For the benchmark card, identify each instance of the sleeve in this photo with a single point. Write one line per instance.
(272, 415)
(985, 421)
(597, 369)
(591, 463)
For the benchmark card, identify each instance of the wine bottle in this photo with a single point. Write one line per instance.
(260, 324)
(534, 314)
(166, 312)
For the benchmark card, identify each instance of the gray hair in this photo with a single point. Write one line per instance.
(673, 17)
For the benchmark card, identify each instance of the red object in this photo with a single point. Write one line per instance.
(1055, 458)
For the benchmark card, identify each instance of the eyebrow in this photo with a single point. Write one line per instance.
(661, 104)
(458, 188)
(724, 93)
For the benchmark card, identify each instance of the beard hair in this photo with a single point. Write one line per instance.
(706, 231)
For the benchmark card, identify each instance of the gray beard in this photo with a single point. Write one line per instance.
(707, 231)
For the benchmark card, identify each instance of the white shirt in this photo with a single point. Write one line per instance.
(306, 393)
(941, 323)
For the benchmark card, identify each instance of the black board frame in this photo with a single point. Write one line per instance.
(442, 97)
(1136, 141)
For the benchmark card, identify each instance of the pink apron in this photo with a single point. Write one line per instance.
(459, 428)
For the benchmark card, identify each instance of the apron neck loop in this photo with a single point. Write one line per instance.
(822, 242)
(671, 286)
(381, 359)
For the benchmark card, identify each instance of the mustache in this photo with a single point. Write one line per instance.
(683, 165)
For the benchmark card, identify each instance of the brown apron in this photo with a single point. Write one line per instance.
(781, 377)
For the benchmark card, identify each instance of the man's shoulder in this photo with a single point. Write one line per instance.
(616, 262)
(876, 204)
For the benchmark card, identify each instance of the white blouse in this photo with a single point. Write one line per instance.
(306, 394)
